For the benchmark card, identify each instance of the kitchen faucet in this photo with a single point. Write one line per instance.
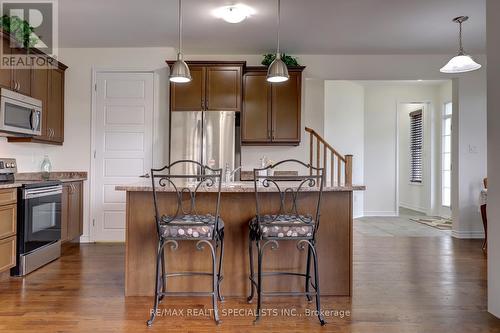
(228, 174)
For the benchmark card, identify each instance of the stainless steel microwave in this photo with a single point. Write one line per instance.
(20, 114)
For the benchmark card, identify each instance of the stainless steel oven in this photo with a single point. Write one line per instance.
(39, 226)
(20, 114)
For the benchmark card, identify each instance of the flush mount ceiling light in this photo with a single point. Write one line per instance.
(462, 62)
(180, 71)
(277, 71)
(234, 13)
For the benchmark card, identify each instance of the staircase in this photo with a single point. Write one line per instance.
(338, 168)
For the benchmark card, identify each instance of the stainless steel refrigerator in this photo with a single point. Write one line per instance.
(210, 137)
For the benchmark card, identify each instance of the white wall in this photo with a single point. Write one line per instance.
(344, 128)
(382, 101)
(414, 196)
(469, 146)
(493, 42)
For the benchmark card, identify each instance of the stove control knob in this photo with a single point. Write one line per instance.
(7, 165)
(13, 165)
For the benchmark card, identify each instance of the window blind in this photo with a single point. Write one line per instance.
(416, 146)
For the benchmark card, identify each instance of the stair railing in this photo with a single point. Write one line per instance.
(331, 160)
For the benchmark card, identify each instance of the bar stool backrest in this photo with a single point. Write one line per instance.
(290, 189)
(186, 186)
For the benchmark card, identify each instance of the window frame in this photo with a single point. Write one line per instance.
(444, 117)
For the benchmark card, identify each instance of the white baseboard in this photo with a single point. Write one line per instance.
(380, 213)
(85, 239)
(415, 208)
(467, 234)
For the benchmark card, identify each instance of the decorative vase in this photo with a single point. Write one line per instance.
(46, 167)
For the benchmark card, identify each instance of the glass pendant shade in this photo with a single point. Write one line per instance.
(460, 64)
(179, 72)
(277, 71)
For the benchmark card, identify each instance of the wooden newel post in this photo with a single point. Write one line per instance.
(348, 170)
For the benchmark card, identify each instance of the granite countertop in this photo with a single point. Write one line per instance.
(236, 187)
(29, 177)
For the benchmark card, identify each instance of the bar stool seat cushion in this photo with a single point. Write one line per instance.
(283, 226)
(189, 226)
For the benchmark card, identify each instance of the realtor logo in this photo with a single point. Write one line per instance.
(30, 24)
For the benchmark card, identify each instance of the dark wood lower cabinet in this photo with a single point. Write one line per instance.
(8, 224)
(72, 211)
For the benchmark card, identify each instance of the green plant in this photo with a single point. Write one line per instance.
(19, 29)
(288, 60)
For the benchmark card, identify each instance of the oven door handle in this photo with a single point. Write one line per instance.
(42, 192)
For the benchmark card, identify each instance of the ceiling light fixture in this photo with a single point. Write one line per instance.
(234, 13)
(462, 62)
(180, 71)
(277, 71)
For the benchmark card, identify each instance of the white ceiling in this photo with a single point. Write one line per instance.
(308, 26)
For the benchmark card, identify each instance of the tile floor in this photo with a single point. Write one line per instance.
(399, 226)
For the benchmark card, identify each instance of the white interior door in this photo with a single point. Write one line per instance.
(123, 140)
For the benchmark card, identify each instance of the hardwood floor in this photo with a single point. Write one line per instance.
(401, 284)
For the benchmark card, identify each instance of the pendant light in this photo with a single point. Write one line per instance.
(462, 62)
(277, 71)
(180, 71)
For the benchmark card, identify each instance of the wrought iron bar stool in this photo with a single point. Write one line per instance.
(289, 223)
(187, 225)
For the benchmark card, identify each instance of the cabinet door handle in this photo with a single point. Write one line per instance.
(18, 86)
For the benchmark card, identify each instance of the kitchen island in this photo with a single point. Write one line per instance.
(334, 241)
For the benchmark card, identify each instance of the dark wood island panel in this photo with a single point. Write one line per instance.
(237, 208)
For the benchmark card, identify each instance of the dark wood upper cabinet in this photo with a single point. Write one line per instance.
(189, 96)
(223, 88)
(17, 79)
(21, 75)
(271, 111)
(286, 109)
(55, 116)
(45, 84)
(40, 90)
(215, 86)
(256, 116)
(5, 73)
